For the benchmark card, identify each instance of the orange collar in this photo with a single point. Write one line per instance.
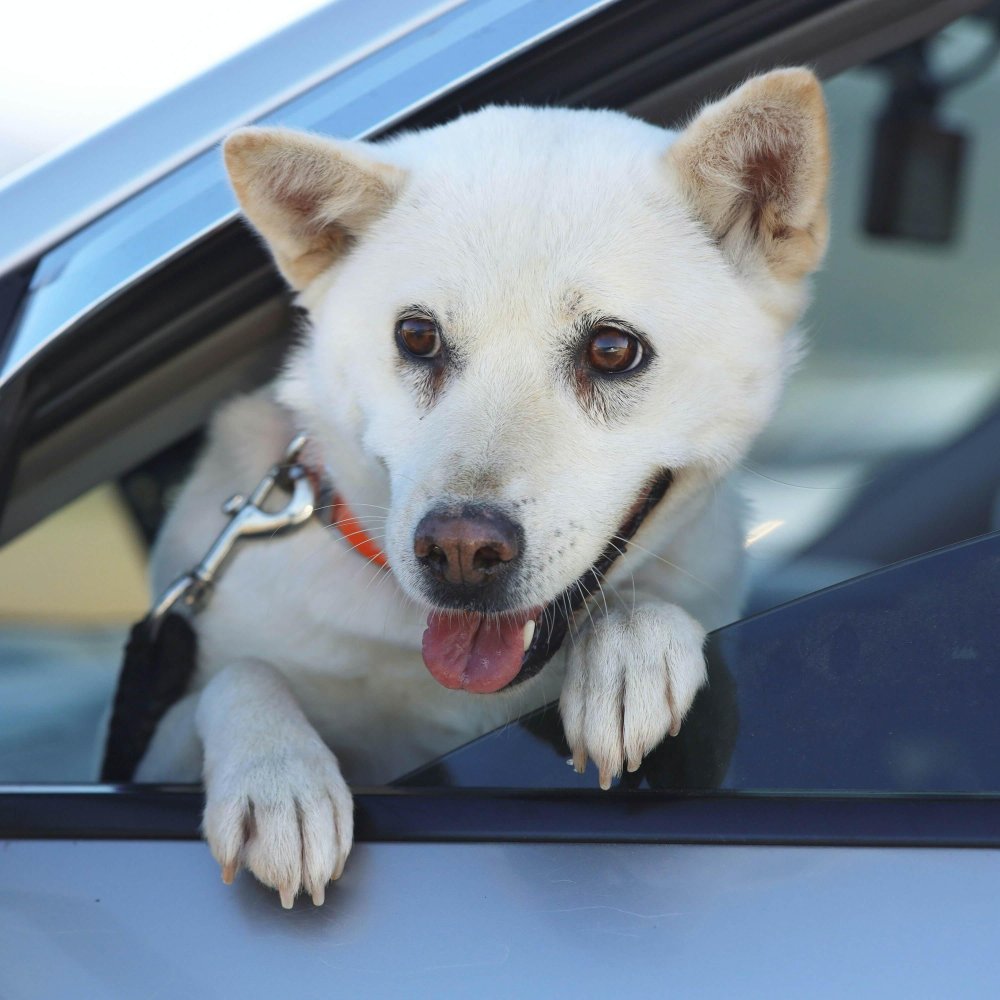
(332, 509)
(342, 518)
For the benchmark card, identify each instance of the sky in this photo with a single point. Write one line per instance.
(70, 67)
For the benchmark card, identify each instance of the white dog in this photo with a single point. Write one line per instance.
(538, 340)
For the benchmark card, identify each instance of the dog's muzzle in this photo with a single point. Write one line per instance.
(469, 555)
(467, 551)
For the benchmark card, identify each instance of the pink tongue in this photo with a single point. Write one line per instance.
(472, 652)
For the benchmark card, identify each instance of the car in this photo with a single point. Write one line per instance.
(828, 819)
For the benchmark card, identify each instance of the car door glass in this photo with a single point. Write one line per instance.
(883, 684)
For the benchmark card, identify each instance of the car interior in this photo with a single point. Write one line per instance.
(885, 447)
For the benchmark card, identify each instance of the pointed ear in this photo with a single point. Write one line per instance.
(309, 197)
(754, 168)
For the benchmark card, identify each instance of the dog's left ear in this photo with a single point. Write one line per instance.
(754, 168)
(309, 197)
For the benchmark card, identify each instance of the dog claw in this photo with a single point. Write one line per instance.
(634, 764)
(675, 728)
(319, 895)
(287, 897)
(605, 778)
(229, 872)
(580, 761)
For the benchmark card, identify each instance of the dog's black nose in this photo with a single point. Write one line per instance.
(466, 548)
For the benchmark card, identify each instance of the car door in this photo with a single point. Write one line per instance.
(827, 822)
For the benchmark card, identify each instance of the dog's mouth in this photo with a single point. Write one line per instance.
(484, 653)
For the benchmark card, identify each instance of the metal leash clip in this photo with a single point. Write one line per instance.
(246, 520)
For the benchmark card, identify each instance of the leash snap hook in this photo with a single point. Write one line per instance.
(247, 519)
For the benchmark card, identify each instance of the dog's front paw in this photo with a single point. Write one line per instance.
(630, 680)
(285, 813)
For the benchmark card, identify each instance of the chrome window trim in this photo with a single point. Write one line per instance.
(171, 129)
(456, 31)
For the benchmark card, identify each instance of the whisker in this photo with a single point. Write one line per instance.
(361, 531)
(672, 565)
(586, 607)
(617, 594)
(382, 572)
(348, 520)
(804, 486)
(604, 597)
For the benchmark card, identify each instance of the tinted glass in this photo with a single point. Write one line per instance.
(884, 684)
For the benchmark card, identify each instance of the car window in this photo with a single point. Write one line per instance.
(887, 440)
(69, 588)
(885, 446)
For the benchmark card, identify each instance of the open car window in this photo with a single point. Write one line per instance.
(885, 449)
(883, 684)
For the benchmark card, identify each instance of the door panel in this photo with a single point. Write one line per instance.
(104, 919)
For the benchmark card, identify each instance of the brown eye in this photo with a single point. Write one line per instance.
(419, 337)
(611, 350)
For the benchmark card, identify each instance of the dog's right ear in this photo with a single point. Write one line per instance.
(309, 197)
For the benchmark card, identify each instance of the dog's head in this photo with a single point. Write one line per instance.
(528, 326)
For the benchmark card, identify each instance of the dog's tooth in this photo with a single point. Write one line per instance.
(529, 633)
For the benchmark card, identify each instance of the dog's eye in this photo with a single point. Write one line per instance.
(612, 350)
(419, 337)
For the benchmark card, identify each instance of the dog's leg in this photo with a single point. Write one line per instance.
(174, 753)
(630, 678)
(275, 798)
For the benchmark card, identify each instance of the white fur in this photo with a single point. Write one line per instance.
(511, 224)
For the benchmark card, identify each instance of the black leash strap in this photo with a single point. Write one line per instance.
(158, 666)
(161, 654)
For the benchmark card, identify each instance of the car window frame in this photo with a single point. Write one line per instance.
(171, 812)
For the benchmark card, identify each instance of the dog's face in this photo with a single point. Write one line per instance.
(537, 324)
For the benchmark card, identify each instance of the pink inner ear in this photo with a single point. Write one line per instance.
(757, 161)
(298, 201)
(767, 175)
